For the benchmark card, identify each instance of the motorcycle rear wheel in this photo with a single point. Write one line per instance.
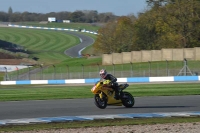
(100, 103)
(129, 100)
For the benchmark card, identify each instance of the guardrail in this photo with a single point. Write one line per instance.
(47, 28)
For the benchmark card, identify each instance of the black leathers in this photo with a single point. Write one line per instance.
(113, 81)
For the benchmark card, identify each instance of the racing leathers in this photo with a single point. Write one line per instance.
(114, 84)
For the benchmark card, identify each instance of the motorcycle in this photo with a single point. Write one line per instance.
(104, 95)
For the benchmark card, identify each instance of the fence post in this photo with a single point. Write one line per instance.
(185, 65)
(131, 69)
(113, 69)
(67, 71)
(29, 73)
(149, 68)
(6, 74)
(167, 67)
(82, 70)
(54, 75)
(17, 73)
(41, 71)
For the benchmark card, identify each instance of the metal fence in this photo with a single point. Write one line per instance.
(146, 69)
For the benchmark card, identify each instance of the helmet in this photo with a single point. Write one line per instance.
(103, 73)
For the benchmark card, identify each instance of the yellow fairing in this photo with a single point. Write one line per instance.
(113, 101)
(99, 89)
(106, 82)
(96, 88)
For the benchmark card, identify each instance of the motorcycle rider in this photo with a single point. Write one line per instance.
(114, 85)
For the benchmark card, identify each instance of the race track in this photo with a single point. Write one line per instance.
(79, 107)
(85, 41)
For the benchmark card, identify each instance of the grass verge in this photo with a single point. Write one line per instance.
(47, 92)
(97, 123)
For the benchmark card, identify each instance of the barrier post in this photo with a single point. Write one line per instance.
(67, 71)
(82, 70)
(149, 68)
(54, 75)
(167, 68)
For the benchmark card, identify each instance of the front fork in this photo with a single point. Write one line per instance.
(101, 95)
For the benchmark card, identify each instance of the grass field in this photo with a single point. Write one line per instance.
(48, 46)
(46, 92)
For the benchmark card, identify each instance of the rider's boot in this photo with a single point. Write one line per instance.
(122, 95)
(117, 95)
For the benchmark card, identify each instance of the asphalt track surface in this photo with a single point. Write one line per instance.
(80, 107)
(85, 41)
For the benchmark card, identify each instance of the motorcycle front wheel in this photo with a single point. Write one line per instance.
(100, 103)
(128, 100)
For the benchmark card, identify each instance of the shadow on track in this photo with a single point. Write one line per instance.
(149, 107)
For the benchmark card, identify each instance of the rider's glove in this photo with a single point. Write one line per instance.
(112, 84)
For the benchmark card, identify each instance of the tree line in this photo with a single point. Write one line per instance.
(81, 16)
(166, 24)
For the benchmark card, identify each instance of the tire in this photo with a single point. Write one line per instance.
(100, 103)
(129, 101)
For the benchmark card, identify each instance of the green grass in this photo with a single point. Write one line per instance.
(1, 76)
(173, 89)
(97, 123)
(47, 45)
(46, 92)
(35, 92)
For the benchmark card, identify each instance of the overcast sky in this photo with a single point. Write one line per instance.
(117, 7)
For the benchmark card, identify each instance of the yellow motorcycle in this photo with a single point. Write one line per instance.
(104, 95)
